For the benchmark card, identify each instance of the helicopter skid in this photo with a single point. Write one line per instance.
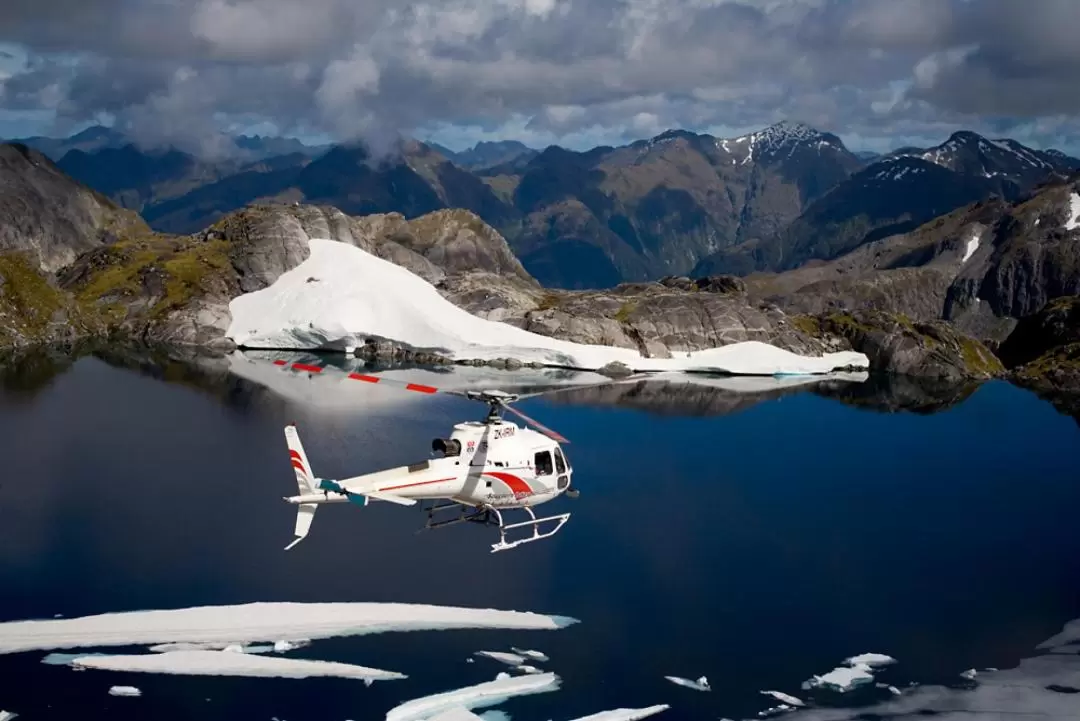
(489, 515)
(533, 521)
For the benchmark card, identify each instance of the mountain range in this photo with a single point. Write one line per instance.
(988, 286)
(679, 203)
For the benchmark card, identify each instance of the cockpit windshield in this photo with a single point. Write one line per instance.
(561, 464)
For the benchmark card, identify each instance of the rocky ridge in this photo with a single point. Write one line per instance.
(896, 194)
(176, 289)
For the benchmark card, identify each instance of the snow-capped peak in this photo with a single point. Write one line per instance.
(895, 168)
(780, 139)
(970, 152)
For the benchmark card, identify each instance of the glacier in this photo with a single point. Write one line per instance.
(341, 295)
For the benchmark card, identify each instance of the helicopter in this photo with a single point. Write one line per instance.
(484, 470)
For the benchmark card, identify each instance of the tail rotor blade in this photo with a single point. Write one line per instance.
(537, 425)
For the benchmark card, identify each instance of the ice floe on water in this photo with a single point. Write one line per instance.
(65, 659)
(701, 684)
(361, 296)
(7, 715)
(510, 659)
(856, 671)
(490, 693)
(625, 714)
(526, 668)
(534, 655)
(277, 647)
(841, 678)
(873, 660)
(254, 622)
(124, 691)
(225, 663)
(461, 713)
(775, 710)
(786, 698)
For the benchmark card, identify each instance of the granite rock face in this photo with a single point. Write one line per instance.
(49, 216)
(896, 344)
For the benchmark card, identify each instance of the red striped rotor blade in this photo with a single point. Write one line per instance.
(536, 424)
(364, 377)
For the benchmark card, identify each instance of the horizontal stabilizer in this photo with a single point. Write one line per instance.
(390, 498)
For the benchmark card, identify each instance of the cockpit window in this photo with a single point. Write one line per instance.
(543, 463)
(560, 462)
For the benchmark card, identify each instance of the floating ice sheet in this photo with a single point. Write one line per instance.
(266, 622)
(786, 698)
(455, 714)
(775, 710)
(225, 663)
(124, 691)
(702, 684)
(625, 714)
(873, 660)
(527, 668)
(534, 655)
(7, 715)
(65, 659)
(490, 693)
(510, 659)
(842, 678)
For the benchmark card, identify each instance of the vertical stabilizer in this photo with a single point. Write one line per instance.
(305, 479)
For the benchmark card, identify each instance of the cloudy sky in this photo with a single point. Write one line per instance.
(879, 73)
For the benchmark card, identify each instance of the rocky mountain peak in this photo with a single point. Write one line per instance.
(970, 153)
(780, 141)
(49, 216)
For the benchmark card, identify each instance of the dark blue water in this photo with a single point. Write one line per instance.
(756, 547)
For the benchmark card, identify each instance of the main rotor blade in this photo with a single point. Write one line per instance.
(536, 424)
(365, 378)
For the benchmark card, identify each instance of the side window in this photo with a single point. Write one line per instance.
(560, 462)
(543, 463)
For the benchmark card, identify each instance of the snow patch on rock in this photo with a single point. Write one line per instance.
(361, 296)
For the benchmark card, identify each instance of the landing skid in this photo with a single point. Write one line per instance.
(491, 516)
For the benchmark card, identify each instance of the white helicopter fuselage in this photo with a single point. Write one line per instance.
(498, 464)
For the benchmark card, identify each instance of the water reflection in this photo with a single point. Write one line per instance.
(756, 549)
(250, 379)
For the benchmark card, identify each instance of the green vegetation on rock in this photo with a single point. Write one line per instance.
(625, 310)
(148, 276)
(27, 300)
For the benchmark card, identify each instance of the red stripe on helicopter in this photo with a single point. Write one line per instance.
(516, 484)
(279, 362)
(306, 367)
(362, 377)
(421, 483)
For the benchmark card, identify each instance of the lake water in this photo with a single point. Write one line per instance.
(756, 539)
